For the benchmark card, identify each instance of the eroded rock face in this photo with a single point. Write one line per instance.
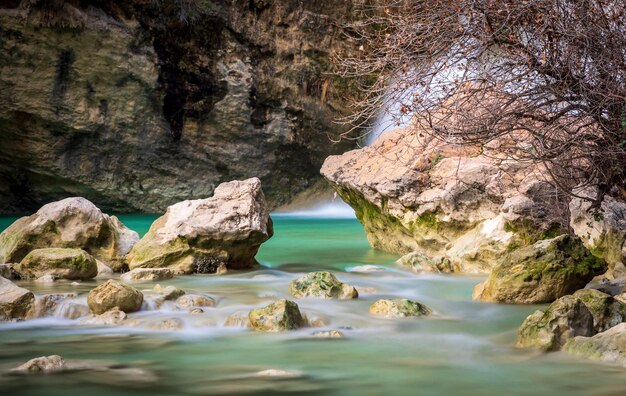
(200, 235)
(132, 92)
(321, 284)
(608, 346)
(147, 275)
(279, 316)
(541, 273)
(16, 303)
(60, 263)
(69, 223)
(399, 308)
(112, 294)
(456, 205)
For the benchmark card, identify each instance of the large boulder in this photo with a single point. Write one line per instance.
(399, 308)
(69, 223)
(201, 235)
(606, 310)
(16, 303)
(114, 294)
(541, 273)
(321, 284)
(278, 316)
(608, 346)
(462, 205)
(60, 263)
(566, 318)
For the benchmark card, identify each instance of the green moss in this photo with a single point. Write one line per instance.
(526, 233)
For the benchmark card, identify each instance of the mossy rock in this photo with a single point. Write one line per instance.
(399, 308)
(608, 346)
(279, 316)
(72, 264)
(321, 284)
(606, 310)
(541, 273)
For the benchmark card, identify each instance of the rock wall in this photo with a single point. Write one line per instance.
(141, 104)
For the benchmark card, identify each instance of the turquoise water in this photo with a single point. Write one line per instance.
(465, 348)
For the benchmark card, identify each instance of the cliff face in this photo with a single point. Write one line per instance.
(141, 105)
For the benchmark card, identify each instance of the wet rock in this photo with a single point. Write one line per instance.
(7, 272)
(72, 310)
(321, 284)
(147, 275)
(195, 300)
(46, 279)
(113, 294)
(238, 319)
(541, 273)
(70, 223)
(205, 234)
(111, 317)
(564, 319)
(196, 311)
(61, 263)
(278, 316)
(48, 304)
(44, 364)
(608, 346)
(328, 334)
(168, 293)
(167, 325)
(399, 308)
(420, 262)
(104, 271)
(16, 303)
(606, 310)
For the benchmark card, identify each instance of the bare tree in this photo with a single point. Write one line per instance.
(547, 77)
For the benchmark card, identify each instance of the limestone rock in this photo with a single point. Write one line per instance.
(321, 284)
(69, 223)
(606, 310)
(420, 263)
(566, 318)
(278, 316)
(16, 303)
(147, 275)
(61, 263)
(44, 364)
(168, 292)
(541, 273)
(104, 271)
(608, 346)
(112, 317)
(238, 319)
(399, 308)
(201, 235)
(195, 300)
(48, 304)
(113, 294)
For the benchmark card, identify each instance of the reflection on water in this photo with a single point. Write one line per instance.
(466, 348)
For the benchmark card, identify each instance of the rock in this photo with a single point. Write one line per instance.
(399, 308)
(168, 292)
(195, 300)
(16, 303)
(328, 334)
(461, 206)
(238, 319)
(72, 310)
(541, 273)
(278, 373)
(44, 364)
(278, 316)
(48, 304)
(420, 262)
(321, 284)
(608, 346)
(48, 278)
(7, 272)
(113, 294)
(606, 311)
(70, 223)
(111, 317)
(147, 275)
(196, 311)
(61, 263)
(104, 271)
(564, 319)
(200, 235)
(602, 230)
(167, 325)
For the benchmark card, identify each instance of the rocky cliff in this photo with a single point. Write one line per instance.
(141, 104)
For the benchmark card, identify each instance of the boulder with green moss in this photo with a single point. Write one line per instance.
(113, 294)
(70, 223)
(60, 263)
(321, 284)
(541, 273)
(399, 308)
(279, 316)
(608, 346)
(203, 235)
(606, 310)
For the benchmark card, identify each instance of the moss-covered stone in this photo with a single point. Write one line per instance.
(321, 284)
(541, 273)
(72, 264)
(608, 346)
(278, 316)
(399, 308)
(606, 310)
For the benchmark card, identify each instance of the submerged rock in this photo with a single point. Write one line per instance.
(205, 234)
(168, 293)
(541, 273)
(278, 316)
(61, 263)
(608, 346)
(399, 308)
(112, 294)
(328, 334)
(147, 275)
(566, 318)
(238, 319)
(16, 303)
(321, 284)
(44, 364)
(195, 300)
(69, 223)
(112, 317)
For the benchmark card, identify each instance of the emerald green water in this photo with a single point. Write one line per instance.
(466, 348)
